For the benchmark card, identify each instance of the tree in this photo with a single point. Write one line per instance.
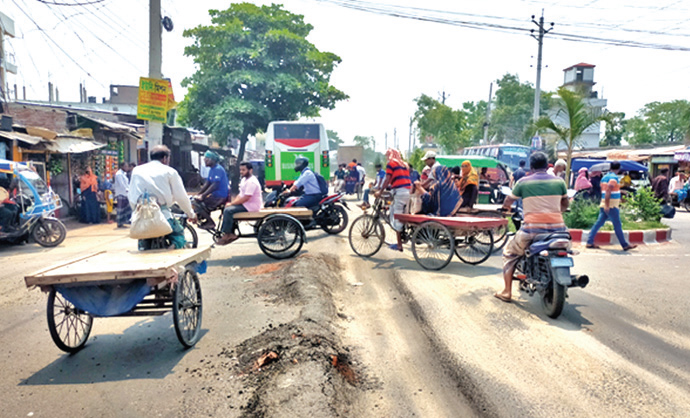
(668, 121)
(441, 122)
(511, 120)
(366, 142)
(476, 117)
(638, 132)
(334, 141)
(255, 65)
(415, 159)
(615, 129)
(578, 116)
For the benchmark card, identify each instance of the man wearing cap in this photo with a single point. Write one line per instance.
(214, 193)
(430, 161)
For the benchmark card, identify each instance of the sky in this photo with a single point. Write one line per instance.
(387, 61)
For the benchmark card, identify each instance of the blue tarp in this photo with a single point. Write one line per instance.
(626, 165)
(106, 300)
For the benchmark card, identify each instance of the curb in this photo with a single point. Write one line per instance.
(652, 236)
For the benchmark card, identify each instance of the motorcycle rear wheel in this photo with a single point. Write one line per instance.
(335, 212)
(553, 300)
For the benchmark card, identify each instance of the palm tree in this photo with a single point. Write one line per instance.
(579, 117)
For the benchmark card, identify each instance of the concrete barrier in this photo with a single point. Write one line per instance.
(652, 236)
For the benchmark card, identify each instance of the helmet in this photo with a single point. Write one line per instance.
(301, 163)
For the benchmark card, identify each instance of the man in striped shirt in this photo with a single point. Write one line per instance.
(610, 201)
(544, 197)
(398, 179)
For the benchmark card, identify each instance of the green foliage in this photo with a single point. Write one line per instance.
(255, 65)
(638, 132)
(334, 141)
(615, 129)
(643, 206)
(582, 215)
(579, 117)
(441, 122)
(55, 165)
(366, 142)
(668, 121)
(415, 159)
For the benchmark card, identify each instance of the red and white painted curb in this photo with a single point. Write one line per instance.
(652, 236)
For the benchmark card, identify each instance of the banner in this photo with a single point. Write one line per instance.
(155, 99)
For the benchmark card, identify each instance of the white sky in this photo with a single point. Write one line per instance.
(387, 61)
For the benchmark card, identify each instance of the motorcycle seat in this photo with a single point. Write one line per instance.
(552, 235)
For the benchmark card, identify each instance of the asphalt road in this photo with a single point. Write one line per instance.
(433, 343)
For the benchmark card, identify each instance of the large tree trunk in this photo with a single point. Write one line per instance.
(235, 178)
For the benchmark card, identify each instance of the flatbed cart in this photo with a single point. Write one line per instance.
(120, 284)
(434, 239)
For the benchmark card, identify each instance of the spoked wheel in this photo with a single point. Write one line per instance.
(366, 236)
(49, 232)
(475, 248)
(335, 220)
(187, 307)
(432, 245)
(553, 299)
(280, 237)
(69, 326)
(500, 236)
(190, 236)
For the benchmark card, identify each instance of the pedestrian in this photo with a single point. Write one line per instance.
(609, 208)
(90, 208)
(559, 168)
(660, 186)
(124, 211)
(163, 183)
(249, 200)
(582, 182)
(519, 173)
(398, 178)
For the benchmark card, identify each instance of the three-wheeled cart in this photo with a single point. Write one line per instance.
(434, 239)
(120, 284)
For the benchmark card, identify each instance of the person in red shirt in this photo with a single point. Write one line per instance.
(398, 179)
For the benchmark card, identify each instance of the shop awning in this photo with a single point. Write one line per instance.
(683, 155)
(33, 140)
(72, 145)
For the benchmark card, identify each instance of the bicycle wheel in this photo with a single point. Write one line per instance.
(187, 308)
(190, 236)
(432, 245)
(475, 248)
(69, 326)
(366, 235)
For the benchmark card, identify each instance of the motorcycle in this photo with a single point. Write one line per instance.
(329, 214)
(36, 204)
(545, 267)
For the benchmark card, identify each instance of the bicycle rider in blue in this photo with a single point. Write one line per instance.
(307, 179)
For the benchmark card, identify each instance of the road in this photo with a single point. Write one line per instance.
(428, 344)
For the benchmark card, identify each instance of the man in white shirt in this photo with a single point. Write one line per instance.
(677, 182)
(362, 173)
(249, 200)
(121, 188)
(164, 184)
(430, 161)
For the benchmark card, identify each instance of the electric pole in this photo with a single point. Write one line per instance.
(154, 130)
(395, 138)
(488, 114)
(443, 96)
(540, 39)
(386, 141)
(409, 143)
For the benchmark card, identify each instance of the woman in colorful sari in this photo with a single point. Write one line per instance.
(90, 208)
(443, 197)
(468, 185)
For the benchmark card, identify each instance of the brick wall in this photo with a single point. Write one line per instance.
(53, 119)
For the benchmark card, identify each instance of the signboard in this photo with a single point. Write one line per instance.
(155, 99)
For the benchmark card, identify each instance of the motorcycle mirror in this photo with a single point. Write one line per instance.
(506, 190)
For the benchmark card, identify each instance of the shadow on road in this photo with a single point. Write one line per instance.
(148, 349)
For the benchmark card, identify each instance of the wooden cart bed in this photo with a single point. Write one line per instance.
(109, 266)
(461, 222)
(298, 213)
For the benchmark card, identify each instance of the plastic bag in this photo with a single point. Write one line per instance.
(148, 220)
(415, 205)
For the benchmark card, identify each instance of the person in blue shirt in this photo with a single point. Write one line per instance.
(308, 183)
(380, 176)
(214, 192)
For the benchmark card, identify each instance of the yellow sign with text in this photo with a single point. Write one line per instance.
(155, 99)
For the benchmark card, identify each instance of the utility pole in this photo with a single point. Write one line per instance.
(409, 143)
(540, 39)
(154, 130)
(395, 138)
(488, 115)
(443, 96)
(386, 141)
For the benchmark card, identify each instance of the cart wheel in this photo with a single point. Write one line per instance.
(366, 235)
(69, 327)
(49, 232)
(335, 220)
(190, 236)
(432, 245)
(187, 307)
(500, 236)
(280, 237)
(475, 248)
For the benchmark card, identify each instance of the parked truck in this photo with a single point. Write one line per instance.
(346, 153)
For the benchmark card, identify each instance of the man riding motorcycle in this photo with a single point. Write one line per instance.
(544, 198)
(312, 194)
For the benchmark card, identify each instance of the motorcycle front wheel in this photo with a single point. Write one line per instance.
(553, 299)
(49, 232)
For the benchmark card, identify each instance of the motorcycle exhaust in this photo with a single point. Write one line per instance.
(580, 281)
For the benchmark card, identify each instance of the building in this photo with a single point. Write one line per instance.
(579, 78)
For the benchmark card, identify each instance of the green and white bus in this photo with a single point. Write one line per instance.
(285, 141)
